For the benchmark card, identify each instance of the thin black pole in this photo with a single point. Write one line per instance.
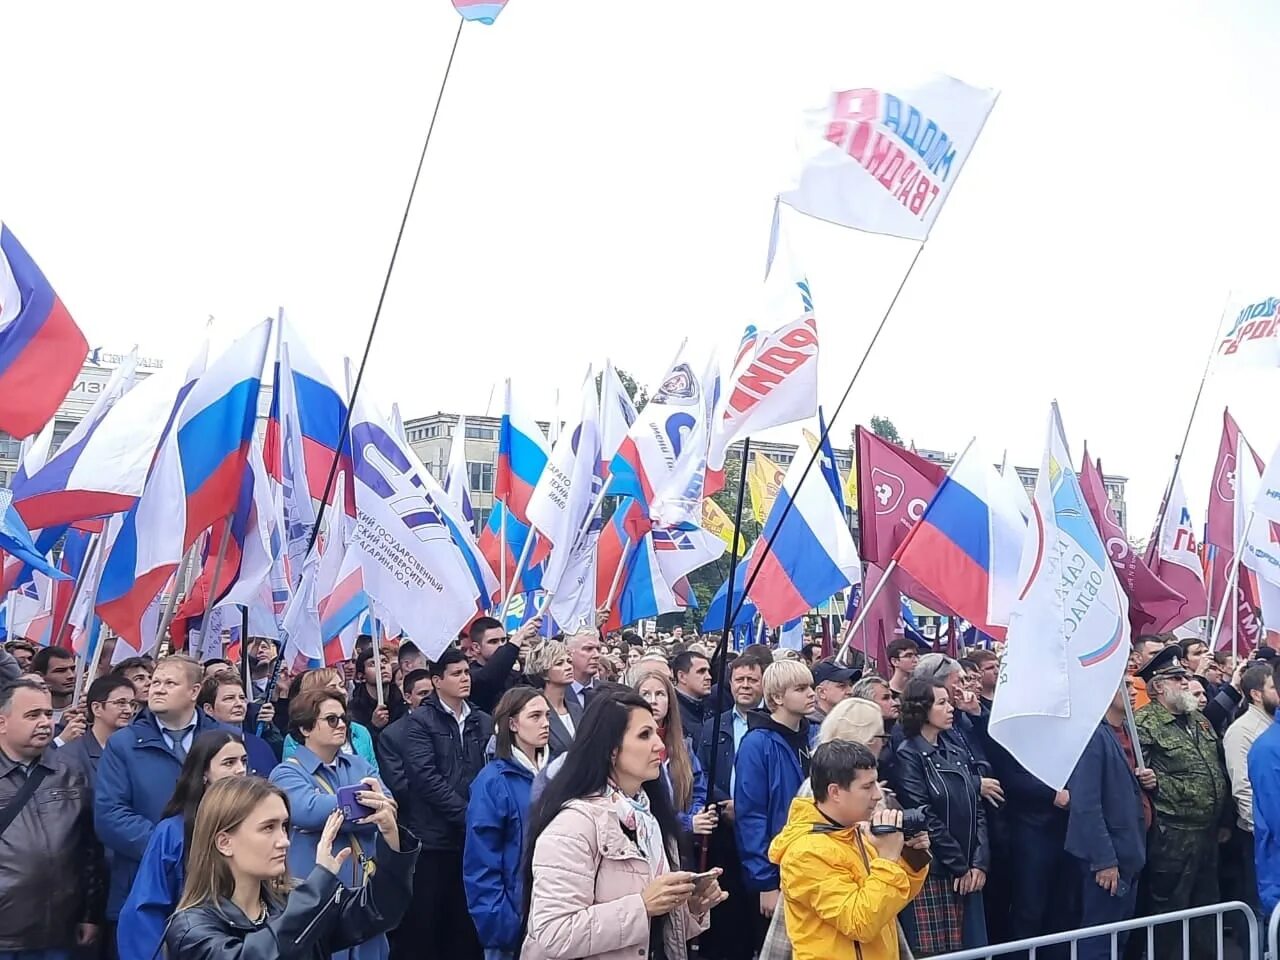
(377, 313)
(722, 649)
(817, 451)
(244, 652)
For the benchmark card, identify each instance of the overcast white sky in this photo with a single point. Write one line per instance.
(600, 183)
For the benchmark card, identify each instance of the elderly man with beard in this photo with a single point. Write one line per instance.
(1190, 801)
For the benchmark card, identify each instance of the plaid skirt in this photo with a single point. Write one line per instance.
(936, 917)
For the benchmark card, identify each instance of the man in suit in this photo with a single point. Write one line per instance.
(1107, 823)
(584, 655)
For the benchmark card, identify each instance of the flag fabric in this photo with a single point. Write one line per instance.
(1220, 532)
(1174, 552)
(253, 533)
(713, 620)
(457, 480)
(617, 414)
(522, 456)
(643, 591)
(967, 547)
(493, 546)
(410, 562)
(813, 554)
(680, 552)
(775, 384)
(340, 602)
(1251, 339)
(716, 521)
(481, 11)
(884, 159)
(195, 482)
(894, 488)
(15, 540)
(41, 348)
(827, 460)
(764, 480)
(566, 491)
(102, 466)
(663, 459)
(1258, 550)
(1068, 638)
(1154, 606)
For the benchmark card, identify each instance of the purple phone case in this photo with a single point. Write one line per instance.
(351, 808)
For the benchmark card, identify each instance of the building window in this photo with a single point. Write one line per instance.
(477, 432)
(61, 430)
(480, 475)
(482, 518)
(10, 448)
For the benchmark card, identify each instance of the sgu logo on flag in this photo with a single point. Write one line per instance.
(382, 466)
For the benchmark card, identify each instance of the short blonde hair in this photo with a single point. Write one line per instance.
(780, 676)
(859, 721)
(646, 666)
(543, 657)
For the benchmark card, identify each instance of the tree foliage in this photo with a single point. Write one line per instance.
(883, 428)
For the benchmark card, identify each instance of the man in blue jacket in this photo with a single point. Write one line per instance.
(1106, 828)
(772, 762)
(140, 766)
(1264, 775)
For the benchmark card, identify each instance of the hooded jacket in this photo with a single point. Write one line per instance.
(497, 815)
(772, 762)
(837, 892)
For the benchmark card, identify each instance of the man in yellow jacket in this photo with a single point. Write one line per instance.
(843, 885)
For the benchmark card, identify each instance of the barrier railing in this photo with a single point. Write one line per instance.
(1273, 934)
(1073, 938)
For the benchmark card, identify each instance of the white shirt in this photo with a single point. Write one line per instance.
(461, 716)
(567, 719)
(188, 735)
(1235, 748)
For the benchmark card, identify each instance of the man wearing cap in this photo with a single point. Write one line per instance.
(1190, 799)
(831, 684)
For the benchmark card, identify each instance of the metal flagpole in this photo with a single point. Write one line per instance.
(213, 584)
(1210, 551)
(245, 668)
(377, 313)
(1229, 595)
(81, 576)
(377, 659)
(179, 586)
(524, 558)
(617, 574)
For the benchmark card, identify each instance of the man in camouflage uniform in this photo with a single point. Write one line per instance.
(1190, 801)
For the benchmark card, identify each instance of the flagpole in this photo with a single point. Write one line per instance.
(213, 584)
(179, 578)
(1195, 405)
(377, 659)
(502, 551)
(1228, 595)
(245, 669)
(865, 606)
(722, 648)
(524, 557)
(1208, 594)
(377, 313)
(91, 550)
(617, 574)
(835, 415)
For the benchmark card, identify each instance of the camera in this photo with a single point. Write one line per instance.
(914, 821)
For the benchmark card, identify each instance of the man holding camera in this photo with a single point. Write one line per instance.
(847, 869)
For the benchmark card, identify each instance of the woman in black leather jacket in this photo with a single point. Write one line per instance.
(933, 772)
(237, 903)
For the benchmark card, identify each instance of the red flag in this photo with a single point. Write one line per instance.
(1174, 553)
(1221, 532)
(1153, 605)
(894, 488)
(881, 622)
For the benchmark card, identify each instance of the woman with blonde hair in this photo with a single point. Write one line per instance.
(685, 780)
(359, 739)
(238, 904)
(549, 667)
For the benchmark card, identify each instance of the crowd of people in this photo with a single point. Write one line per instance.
(598, 796)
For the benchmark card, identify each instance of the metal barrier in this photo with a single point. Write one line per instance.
(1273, 934)
(1072, 938)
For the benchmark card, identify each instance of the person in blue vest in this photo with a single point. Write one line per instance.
(139, 769)
(311, 778)
(215, 755)
(772, 762)
(497, 812)
(222, 697)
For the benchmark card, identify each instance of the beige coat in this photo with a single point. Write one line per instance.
(1235, 747)
(588, 877)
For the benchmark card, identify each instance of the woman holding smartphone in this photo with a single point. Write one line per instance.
(312, 779)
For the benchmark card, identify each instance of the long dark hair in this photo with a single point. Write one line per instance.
(191, 786)
(585, 773)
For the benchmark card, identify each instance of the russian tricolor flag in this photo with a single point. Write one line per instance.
(41, 348)
(342, 607)
(522, 456)
(481, 11)
(813, 555)
(967, 546)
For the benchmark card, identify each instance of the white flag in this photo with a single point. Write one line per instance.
(566, 490)
(617, 414)
(1255, 506)
(883, 159)
(457, 480)
(1249, 337)
(410, 563)
(1068, 639)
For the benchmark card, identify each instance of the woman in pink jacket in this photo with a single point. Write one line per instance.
(603, 881)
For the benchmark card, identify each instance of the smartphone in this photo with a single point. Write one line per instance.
(353, 809)
(702, 879)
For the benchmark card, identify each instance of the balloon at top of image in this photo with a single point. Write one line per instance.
(486, 11)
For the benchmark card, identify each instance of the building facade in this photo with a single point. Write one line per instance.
(431, 438)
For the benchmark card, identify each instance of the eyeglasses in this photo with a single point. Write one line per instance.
(121, 704)
(335, 720)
